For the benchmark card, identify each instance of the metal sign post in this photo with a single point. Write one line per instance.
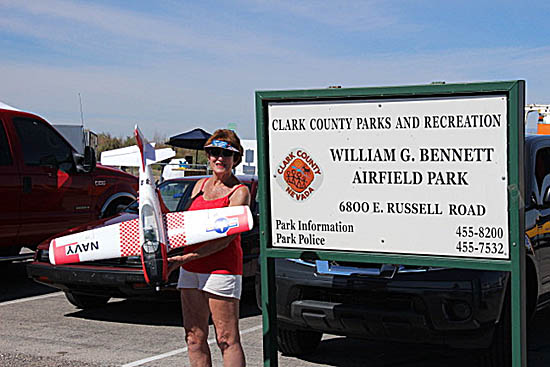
(416, 175)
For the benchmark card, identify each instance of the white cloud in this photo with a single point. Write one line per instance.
(68, 21)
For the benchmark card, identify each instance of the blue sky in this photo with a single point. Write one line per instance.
(171, 66)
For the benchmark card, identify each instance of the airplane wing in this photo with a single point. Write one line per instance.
(130, 156)
(116, 240)
(122, 239)
(187, 228)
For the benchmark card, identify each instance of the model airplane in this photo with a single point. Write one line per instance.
(153, 234)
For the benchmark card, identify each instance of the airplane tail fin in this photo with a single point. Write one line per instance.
(148, 154)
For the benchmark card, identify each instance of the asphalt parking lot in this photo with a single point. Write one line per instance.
(39, 327)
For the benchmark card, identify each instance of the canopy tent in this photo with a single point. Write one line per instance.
(193, 139)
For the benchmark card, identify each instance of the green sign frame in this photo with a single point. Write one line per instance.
(514, 91)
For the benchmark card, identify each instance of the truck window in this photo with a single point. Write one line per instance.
(41, 145)
(5, 154)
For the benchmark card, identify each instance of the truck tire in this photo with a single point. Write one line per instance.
(116, 207)
(85, 301)
(297, 342)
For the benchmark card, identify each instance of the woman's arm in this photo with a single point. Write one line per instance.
(241, 196)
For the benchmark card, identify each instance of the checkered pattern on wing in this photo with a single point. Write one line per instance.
(129, 238)
(175, 221)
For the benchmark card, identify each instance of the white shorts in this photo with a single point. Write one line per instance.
(225, 285)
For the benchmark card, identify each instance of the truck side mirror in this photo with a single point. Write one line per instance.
(89, 162)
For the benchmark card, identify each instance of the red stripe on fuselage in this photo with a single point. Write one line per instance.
(243, 225)
(60, 254)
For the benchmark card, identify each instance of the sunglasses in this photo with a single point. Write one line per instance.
(219, 152)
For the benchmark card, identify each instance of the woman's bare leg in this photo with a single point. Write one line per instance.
(225, 315)
(195, 310)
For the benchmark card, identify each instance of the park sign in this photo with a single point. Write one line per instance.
(406, 176)
(427, 175)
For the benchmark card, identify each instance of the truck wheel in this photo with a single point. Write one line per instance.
(297, 342)
(115, 207)
(499, 353)
(84, 301)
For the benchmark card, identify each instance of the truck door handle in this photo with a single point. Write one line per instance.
(27, 184)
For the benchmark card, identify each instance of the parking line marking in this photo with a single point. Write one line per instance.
(30, 298)
(181, 350)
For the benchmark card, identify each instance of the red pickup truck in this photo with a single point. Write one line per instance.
(46, 186)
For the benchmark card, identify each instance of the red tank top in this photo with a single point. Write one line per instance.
(226, 261)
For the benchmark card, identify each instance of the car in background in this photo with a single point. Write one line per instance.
(92, 284)
(460, 308)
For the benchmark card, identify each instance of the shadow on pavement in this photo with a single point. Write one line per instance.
(164, 311)
(14, 283)
(135, 311)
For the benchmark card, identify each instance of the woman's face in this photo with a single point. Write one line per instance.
(221, 160)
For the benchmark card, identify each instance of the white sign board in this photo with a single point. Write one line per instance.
(418, 176)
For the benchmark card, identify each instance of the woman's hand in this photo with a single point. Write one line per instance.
(175, 262)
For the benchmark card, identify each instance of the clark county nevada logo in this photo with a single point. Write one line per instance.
(299, 175)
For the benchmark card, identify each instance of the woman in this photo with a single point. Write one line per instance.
(211, 272)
